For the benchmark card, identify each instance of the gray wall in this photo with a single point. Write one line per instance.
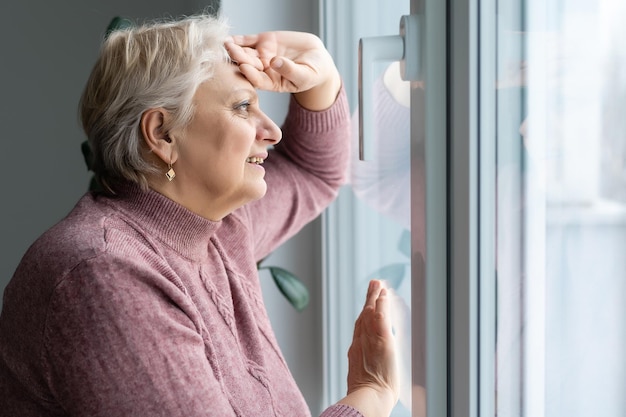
(48, 48)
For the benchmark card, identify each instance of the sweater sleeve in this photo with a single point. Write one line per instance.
(119, 341)
(341, 410)
(303, 173)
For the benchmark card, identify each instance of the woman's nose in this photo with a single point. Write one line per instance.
(269, 131)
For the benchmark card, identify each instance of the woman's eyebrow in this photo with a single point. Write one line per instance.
(247, 90)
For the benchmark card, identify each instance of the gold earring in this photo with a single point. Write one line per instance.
(170, 174)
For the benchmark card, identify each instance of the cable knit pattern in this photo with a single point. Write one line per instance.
(134, 306)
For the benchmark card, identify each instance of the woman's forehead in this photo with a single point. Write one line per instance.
(227, 76)
(226, 81)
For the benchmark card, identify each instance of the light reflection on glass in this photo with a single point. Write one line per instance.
(561, 184)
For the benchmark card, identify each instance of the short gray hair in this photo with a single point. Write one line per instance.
(157, 64)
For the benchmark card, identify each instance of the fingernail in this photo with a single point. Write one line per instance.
(277, 63)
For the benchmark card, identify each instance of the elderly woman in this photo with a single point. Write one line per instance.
(145, 300)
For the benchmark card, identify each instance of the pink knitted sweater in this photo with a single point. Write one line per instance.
(135, 306)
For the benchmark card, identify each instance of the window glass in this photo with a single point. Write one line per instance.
(369, 230)
(561, 222)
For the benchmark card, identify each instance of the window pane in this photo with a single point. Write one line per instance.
(380, 188)
(370, 223)
(561, 204)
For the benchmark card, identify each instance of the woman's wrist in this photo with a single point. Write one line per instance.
(322, 96)
(370, 401)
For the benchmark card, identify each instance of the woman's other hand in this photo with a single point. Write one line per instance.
(373, 377)
(293, 62)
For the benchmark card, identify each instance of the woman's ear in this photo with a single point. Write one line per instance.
(153, 122)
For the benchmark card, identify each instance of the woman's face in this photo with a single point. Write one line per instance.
(220, 152)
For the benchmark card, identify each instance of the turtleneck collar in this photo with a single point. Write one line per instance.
(174, 225)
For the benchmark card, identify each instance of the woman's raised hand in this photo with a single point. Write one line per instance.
(373, 377)
(284, 61)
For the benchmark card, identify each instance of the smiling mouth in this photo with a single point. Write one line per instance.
(255, 160)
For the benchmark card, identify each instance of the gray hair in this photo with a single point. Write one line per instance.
(158, 64)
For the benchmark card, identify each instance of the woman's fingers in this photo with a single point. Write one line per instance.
(376, 311)
(244, 55)
(293, 62)
(262, 47)
(268, 79)
(362, 325)
(282, 74)
(245, 40)
(382, 322)
(373, 290)
(257, 78)
(372, 355)
(298, 76)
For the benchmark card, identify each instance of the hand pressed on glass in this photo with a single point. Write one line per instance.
(373, 369)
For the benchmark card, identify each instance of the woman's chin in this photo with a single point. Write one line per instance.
(259, 191)
(262, 193)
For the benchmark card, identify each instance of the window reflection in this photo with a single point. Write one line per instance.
(561, 220)
(382, 191)
(384, 185)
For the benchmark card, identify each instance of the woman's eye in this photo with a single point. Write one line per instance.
(243, 106)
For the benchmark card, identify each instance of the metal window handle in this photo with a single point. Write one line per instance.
(403, 48)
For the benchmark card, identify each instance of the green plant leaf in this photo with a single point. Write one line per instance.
(290, 286)
(87, 154)
(404, 244)
(94, 185)
(118, 23)
(392, 273)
